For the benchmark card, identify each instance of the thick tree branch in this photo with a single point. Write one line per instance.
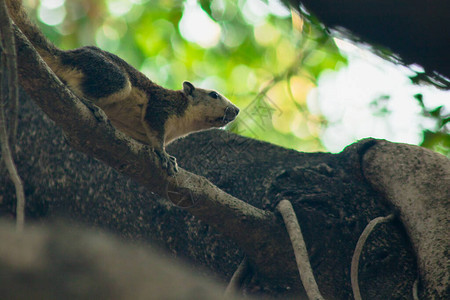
(251, 228)
(416, 181)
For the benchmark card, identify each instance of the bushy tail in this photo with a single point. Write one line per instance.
(30, 30)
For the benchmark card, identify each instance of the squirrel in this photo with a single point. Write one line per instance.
(135, 105)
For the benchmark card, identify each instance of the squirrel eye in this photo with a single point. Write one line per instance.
(214, 95)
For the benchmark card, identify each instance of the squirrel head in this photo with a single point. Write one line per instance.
(210, 108)
(205, 109)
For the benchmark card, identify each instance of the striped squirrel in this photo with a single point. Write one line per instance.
(134, 104)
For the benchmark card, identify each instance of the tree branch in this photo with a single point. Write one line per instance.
(416, 181)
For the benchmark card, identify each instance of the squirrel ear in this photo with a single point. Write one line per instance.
(188, 88)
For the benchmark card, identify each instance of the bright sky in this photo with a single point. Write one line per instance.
(346, 99)
(52, 12)
(196, 26)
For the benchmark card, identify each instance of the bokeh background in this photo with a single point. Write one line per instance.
(297, 85)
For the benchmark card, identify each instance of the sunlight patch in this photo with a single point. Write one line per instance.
(197, 27)
(52, 12)
(52, 4)
(372, 97)
(119, 7)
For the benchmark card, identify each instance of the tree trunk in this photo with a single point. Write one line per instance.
(334, 197)
(330, 194)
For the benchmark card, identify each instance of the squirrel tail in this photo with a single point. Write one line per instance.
(20, 17)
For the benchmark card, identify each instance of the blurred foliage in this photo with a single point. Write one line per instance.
(266, 60)
(439, 138)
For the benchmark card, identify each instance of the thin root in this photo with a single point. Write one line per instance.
(301, 254)
(358, 250)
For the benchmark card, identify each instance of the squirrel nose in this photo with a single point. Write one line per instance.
(231, 112)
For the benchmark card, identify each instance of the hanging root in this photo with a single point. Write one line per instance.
(358, 250)
(9, 90)
(238, 278)
(301, 254)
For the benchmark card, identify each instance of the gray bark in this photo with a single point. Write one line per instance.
(330, 193)
(332, 199)
(417, 182)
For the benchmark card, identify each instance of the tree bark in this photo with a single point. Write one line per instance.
(416, 181)
(330, 194)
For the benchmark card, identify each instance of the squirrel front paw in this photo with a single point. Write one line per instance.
(168, 162)
(99, 114)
